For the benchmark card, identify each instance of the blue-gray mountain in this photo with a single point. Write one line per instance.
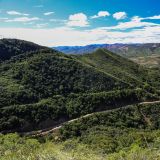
(127, 50)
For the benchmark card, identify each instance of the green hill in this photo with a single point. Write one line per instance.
(14, 47)
(98, 94)
(41, 88)
(115, 65)
(29, 78)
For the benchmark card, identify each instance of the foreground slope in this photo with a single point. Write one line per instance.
(128, 133)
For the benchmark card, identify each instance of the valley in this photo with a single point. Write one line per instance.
(100, 104)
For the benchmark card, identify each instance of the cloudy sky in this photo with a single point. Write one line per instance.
(80, 22)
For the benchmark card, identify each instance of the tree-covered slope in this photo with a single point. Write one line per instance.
(13, 47)
(128, 133)
(40, 88)
(31, 77)
(55, 110)
(116, 65)
(141, 116)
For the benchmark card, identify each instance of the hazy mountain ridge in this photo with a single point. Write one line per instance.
(127, 50)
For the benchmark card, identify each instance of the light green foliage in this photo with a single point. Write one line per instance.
(13, 147)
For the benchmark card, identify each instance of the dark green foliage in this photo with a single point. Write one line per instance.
(58, 109)
(140, 117)
(116, 65)
(40, 87)
(78, 105)
(13, 47)
(47, 73)
(154, 77)
(33, 116)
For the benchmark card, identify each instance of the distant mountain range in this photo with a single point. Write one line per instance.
(126, 50)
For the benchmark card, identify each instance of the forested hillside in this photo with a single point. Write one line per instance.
(98, 94)
(14, 47)
(116, 65)
(42, 88)
(127, 133)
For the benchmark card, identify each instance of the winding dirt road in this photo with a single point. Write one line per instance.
(56, 128)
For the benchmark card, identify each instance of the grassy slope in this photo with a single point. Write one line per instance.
(138, 50)
(151, 61)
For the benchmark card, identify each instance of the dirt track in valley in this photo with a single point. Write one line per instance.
(56, 128)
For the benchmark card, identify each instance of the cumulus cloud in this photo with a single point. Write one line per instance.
(101, 14)
(120, 15)
(139, 31)
(17, 13)
(78, 20)
(48, 13)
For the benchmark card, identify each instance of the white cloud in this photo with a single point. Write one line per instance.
(101, 14)
(78, 20)
(23, 19)
(58, 20)
(140, 32)
(135, 22)
(17, 13)
(48, 13)
(70, 36)
(153, 17)
(120, 15)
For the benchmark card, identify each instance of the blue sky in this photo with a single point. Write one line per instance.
(81, 22)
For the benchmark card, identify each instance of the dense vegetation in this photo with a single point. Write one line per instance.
(13, 47)
(129, 145)
(55, 110)
(116, 65)
(29, 78)
(136, 116)
(42, 88)
(121, 134)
